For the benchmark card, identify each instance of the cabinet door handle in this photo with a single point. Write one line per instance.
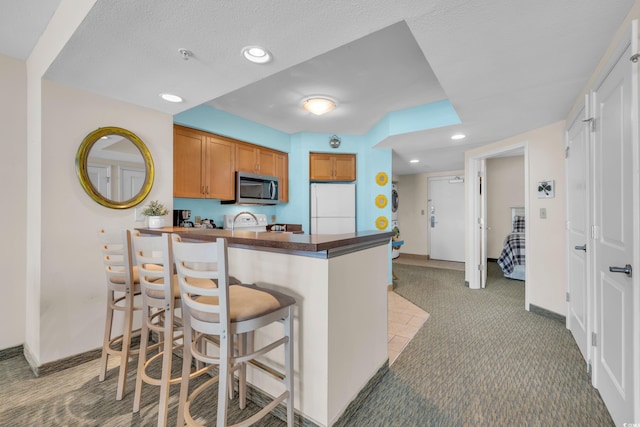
(581, 248)
(202, 190)
(207, 189)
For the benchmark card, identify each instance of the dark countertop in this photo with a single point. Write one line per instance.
(320, 246)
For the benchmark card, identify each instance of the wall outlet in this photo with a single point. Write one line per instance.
(273, 218)
(139, 217)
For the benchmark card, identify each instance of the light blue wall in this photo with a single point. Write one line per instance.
(370, 160)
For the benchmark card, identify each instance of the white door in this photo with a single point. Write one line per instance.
(100, 177)
(131, 181)
(578, 237)
(446, 218)
(613, 218)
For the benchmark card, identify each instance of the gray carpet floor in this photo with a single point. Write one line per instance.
(479, 360)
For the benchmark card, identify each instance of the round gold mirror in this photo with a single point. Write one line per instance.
(115, 168)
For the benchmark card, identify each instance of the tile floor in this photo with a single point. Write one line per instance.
(405, 318)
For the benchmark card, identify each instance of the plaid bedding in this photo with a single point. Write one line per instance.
(513, 252)
(518, 224)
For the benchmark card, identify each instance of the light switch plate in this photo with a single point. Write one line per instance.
(543, 213)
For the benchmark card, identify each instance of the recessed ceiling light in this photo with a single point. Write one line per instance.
(318, 105)
(414, 161)
(256, 54)
(458, 136)
(170, 97)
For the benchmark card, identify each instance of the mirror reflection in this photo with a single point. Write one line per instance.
(115, 167)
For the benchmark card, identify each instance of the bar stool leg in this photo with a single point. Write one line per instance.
(166, 369)
(108, 326)
(186, 371)
(242, 372)
(126, 346)
(142, 357)
(223, 378)
(288, 362)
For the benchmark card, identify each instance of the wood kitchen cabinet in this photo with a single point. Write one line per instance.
(253, 159)
(282, 172)
(332, 167)
(203, 165)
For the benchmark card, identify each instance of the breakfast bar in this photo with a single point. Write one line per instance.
(340, 322)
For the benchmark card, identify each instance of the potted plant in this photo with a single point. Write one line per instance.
(156, 212)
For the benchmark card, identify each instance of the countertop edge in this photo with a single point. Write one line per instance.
(319, 246)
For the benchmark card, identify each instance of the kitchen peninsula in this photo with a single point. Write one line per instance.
(340, 324)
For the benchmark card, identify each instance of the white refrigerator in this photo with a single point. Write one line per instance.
(333, 208)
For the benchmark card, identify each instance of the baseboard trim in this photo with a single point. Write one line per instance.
(414, 256)
(547, 313)
(66, 363)
(11, 352)
(71, 361)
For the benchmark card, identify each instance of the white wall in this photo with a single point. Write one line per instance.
(413, 217)
(13, 190)
(546, 248)
(72, 288)
(505, 189)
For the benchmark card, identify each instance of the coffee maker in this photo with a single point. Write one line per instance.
(181, 218)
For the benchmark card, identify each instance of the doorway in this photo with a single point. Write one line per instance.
(476, 216)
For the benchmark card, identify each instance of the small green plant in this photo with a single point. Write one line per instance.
(155, 208)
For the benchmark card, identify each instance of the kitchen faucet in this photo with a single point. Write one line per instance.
(240, 213)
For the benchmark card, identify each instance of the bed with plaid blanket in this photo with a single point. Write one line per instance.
(513, 253)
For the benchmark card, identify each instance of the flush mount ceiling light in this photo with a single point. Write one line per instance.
(458, 136)
(256, 54)
(414, 161)
(170, 97)
(318, 105)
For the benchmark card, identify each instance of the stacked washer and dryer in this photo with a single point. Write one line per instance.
(395, 252)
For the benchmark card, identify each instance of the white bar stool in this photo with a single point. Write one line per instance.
(224, 312)
(122, 286)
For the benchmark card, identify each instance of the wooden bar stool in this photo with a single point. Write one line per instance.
(160, 307)
(160, 299)
(122, 286)
(221, 313)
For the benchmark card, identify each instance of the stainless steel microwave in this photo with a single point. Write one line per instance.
(256, 189)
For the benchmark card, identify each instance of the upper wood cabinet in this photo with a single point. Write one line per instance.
(254, 159)
(332, 167)
(203, 165)
(282, 172)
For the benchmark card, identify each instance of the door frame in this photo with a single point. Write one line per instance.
(475, 215)
(582, 115)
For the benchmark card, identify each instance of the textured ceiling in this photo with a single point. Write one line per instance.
(506, 66)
